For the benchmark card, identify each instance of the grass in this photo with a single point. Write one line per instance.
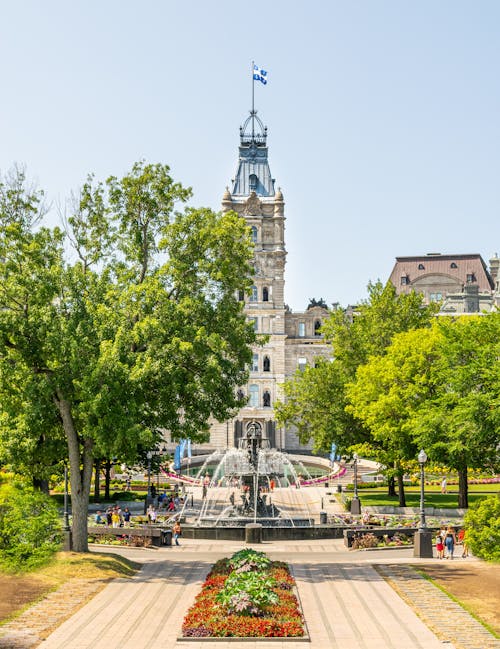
(20, 590)
(378, 497)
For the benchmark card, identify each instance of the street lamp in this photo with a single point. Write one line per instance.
(422, 546)
(66, 527)
(149, 455)
(355, 502)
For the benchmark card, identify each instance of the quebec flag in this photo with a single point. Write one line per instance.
(259, 74)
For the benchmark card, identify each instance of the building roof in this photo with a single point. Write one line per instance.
(463, 269)
(253, 173)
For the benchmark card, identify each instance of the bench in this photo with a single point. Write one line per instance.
(158, 535)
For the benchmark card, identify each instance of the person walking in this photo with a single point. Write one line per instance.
(443, 485)
(177, 531)
(439, 545)
(450, 541)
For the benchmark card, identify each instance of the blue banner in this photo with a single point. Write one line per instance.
(189, 448)
(177, 458)
(332, 452)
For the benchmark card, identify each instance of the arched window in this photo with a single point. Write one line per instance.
(317, 327)
(266, 399)
(255, 363)
(253, 391)
(253, 180)
(267, 364)
(254, 233)
(253, 294)
(265, 294)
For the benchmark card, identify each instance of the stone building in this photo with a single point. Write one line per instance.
(294, 339)
(460, 283)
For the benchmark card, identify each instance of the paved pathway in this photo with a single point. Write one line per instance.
(348, 604)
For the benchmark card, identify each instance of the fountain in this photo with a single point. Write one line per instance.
(253, 483)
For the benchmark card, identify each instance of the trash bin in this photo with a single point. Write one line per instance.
(166, 537)
(322, 518)
(339, 488)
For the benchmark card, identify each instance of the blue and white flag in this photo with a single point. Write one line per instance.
(183, 445)
(189, 448)
(259, 74)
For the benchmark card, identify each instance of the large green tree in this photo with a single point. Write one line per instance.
(459, 425)
(436, 389)
(315, 400)
(139, 329)
(387, 393)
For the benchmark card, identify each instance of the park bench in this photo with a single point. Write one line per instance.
(158, 535)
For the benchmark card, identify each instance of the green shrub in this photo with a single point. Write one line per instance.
(30, 528)
(482, 528)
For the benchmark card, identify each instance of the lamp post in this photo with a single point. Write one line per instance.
(147, 502)
(422, 546)
(355, 502)
(66, 527)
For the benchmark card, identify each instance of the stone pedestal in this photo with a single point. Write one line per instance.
(356, 506)
(67, 541)
(253, 533)
(422, 544)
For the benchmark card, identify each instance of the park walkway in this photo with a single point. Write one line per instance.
(347, 601)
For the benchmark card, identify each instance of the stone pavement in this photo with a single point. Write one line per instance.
(347, 602)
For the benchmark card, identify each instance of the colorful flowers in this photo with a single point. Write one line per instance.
(246, 596)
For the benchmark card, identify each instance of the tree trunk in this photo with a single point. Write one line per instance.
(80, 466)
(97, 480)
(463, 488)
(391, 486)
(401, 491)
(107, 480)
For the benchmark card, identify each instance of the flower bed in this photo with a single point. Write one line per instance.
(247, 595)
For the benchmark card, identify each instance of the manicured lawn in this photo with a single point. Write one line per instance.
(379, 498)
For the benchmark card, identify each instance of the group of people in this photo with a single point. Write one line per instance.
(447, 539)
(113, 517)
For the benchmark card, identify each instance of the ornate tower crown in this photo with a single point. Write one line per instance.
(253, 173)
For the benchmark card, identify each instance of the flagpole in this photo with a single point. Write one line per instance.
(253, 98)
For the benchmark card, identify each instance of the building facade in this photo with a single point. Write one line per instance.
(294, 339)
(460, 283)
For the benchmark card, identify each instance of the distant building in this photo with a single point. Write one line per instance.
(460, 283)
(294, 338)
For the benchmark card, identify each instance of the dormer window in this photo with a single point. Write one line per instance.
(253, 180)
(421, 267)
(453, 265)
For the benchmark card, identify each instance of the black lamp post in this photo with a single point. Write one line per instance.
(147, 502)
(355, 502)
(66, 527)
(423, 538)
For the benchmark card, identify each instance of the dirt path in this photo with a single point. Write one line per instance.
(477, 585)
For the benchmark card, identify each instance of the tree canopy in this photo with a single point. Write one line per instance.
(139, 329)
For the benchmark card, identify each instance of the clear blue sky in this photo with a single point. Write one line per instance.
(383, 116)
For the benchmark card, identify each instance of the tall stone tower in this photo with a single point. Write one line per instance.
(254, 197)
